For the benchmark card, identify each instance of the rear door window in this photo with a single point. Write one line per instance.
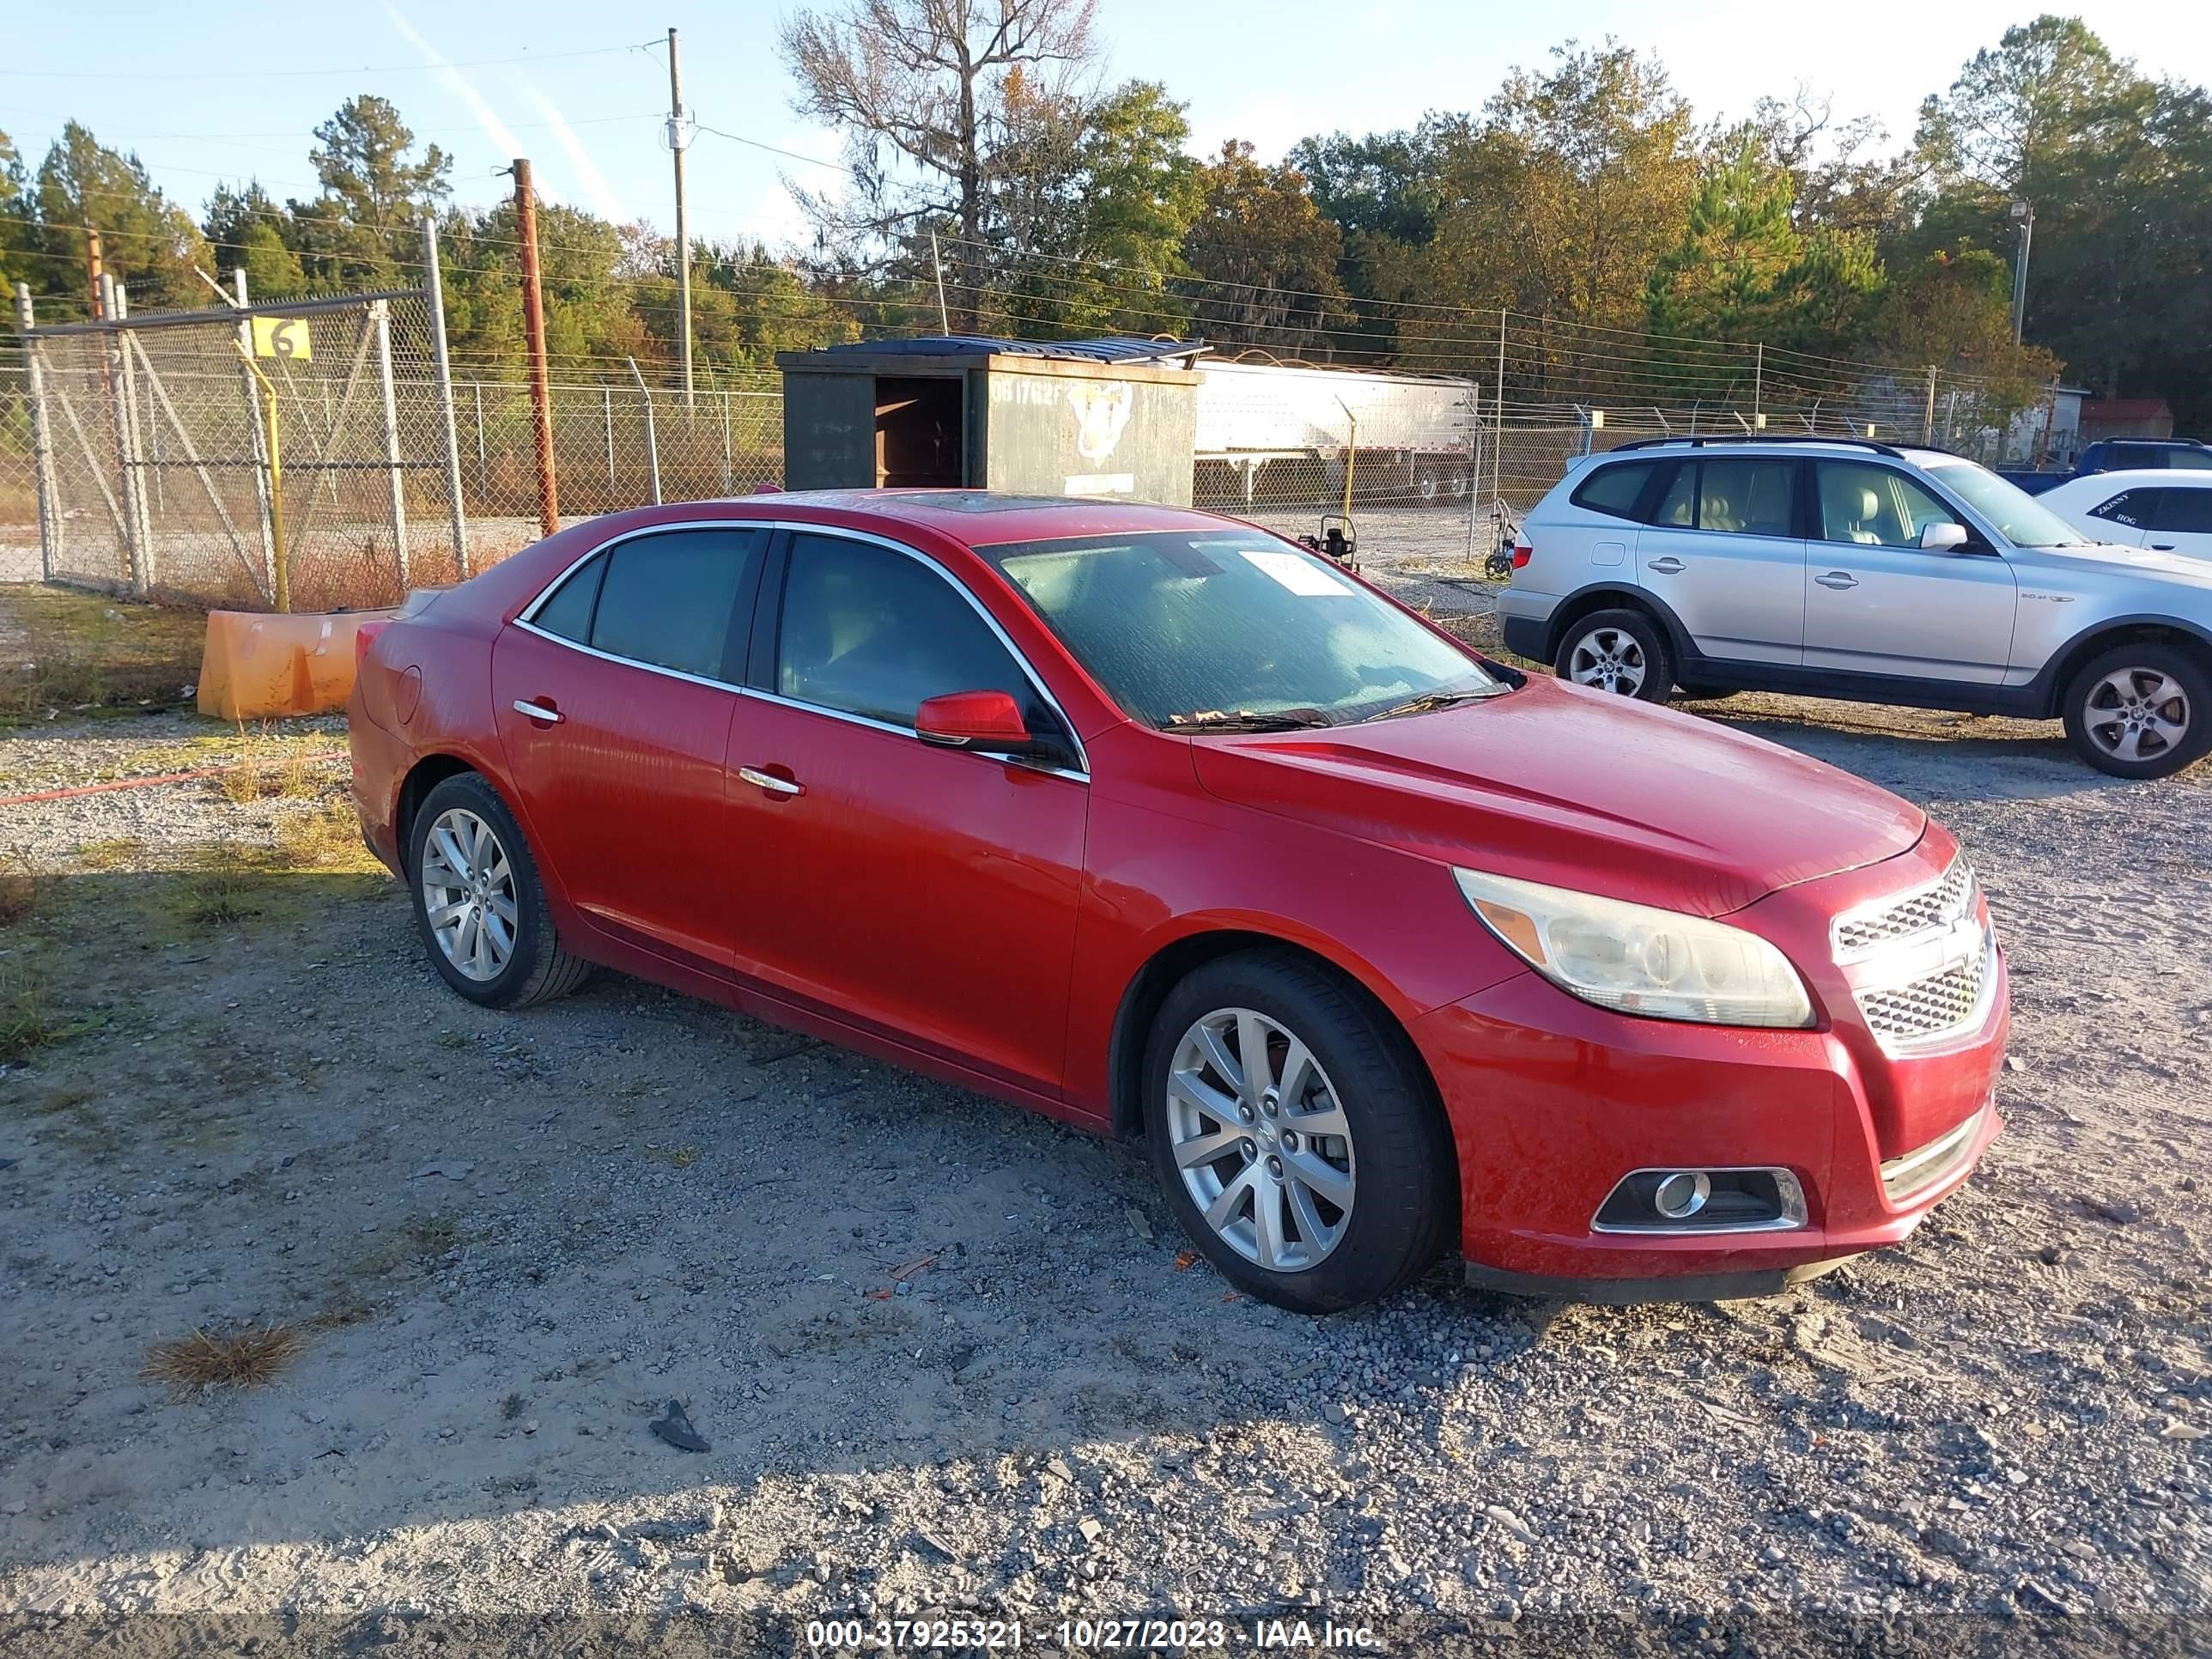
(1678, 507)
(2189, 460)
(1749, 497)
(1614, 489)
(2189, 511)
(668, 599)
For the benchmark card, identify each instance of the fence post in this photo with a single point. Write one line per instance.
(1497, 406)
(607, 424)
(434, 285)
(42, 442)
(1927, 412)
(122, 423)
(483, 466)
(263, 501)
(380, 318)
(652, 444)
(1757, 377)
(725, 440)
(1474, 458)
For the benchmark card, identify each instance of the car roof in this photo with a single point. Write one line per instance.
(2136, 477)
(1735, 449)
(983, 518)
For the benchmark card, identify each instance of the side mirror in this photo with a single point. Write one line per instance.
(976, 720)
(1945, 537)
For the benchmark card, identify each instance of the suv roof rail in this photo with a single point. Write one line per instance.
(1699, 442)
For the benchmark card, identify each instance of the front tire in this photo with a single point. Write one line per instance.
(1623, 651)
(480, 908)
(1297, 1140)
(2141, 711)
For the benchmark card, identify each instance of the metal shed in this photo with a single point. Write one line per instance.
(1114, 418)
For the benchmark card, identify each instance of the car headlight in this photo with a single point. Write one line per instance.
(1638, 960)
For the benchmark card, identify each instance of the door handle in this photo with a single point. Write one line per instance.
(539, 711)
(2161, 547)
(1666, 567)
(769, 781)
(1837, 580)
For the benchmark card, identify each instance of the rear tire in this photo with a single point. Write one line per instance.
(1339, 1131)
(2141, 711)
(480, 907)
(1622, 651)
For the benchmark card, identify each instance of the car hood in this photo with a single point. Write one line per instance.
(2101, 561)
(1577, 788)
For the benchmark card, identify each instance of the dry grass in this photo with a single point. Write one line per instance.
(19, 887)
(239, 1359)
(26, 1022)
(89, 649)
(327, 838)
(123, 853)
(221, 885)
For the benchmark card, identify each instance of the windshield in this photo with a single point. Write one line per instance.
(1198, 628)
(2019, 517)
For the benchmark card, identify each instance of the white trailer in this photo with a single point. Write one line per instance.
(1273, 432)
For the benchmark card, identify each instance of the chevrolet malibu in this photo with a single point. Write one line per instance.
(1157, 824)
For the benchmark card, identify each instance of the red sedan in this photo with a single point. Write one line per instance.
(1160, 824)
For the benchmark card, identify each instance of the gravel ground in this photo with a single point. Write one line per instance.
(947, 1357)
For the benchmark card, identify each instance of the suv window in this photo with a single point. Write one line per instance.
(1616, 489)
(1875, 505)
(2133, 508)
(2191, 460)
(1751, 497)
(1678, 505)
(664, 600)
(2124, 458)
(2189, 511)
(871, 632)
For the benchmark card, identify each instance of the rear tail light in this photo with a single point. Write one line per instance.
(364, 635)
(1522, 554)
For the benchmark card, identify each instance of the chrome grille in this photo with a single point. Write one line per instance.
(1858, 933)
(1904, 1013)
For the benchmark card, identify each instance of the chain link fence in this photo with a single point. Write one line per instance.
(310, 450)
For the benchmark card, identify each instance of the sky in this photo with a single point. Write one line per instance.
(202, 94)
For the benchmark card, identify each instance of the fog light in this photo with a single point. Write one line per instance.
(1682, 1195)
(1715, 1200)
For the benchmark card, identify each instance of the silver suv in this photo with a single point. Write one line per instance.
(1837, 568)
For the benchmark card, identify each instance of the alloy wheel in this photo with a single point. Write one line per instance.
(1260, 1140)
(2137, 714)
(1609, 658)
(468, 894)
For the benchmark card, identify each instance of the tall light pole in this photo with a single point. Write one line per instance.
(677, 138)
(2023, 214)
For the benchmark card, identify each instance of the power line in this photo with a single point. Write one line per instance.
(344, 69)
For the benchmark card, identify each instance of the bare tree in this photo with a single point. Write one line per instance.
(953, 89)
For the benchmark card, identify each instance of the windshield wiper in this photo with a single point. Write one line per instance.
(1248, 720)
(1429, 700)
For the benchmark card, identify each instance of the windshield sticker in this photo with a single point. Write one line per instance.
(1301, 575)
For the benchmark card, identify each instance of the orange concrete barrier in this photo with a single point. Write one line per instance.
(256, 666)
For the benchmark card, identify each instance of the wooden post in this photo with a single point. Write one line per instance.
(533, 324)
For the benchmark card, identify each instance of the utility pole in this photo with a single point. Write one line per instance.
(676, 140)
(533, 329)
(2023, 214)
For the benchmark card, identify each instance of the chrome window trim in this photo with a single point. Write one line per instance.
(1081, 774)
(1790, 1190)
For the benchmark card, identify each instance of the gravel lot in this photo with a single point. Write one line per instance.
(947, 1357)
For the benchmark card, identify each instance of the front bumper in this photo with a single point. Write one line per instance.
(1553, 1100)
